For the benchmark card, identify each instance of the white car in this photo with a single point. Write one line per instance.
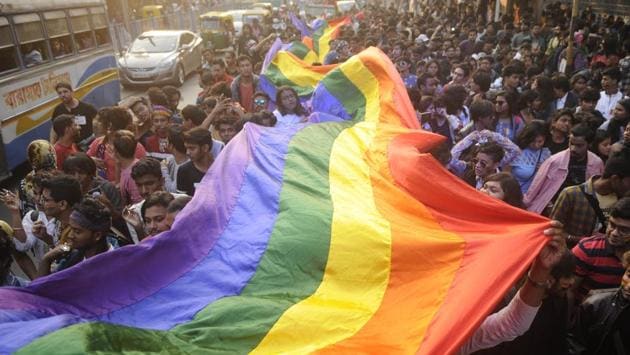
(159, 57)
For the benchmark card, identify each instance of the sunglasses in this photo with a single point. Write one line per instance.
(260, 102)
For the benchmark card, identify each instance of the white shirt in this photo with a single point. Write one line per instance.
(560, 102)
(606, 103)
(38, 246)
(287, 120)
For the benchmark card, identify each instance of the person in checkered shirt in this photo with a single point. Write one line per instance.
(583, 208)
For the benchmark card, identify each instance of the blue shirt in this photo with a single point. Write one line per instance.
(509, 128)
(410, 81)
(525, 166)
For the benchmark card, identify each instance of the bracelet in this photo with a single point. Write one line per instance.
(17, 228)
(534, 282)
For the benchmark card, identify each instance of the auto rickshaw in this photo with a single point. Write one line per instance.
(260, 14)
(217, 29)
(263, 5)
(152, 11)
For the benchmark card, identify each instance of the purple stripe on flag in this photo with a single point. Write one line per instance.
(323, 101)
(320, 117)
(215, 276)
(271, 53)
(300, 25)
(317, 23)
(25, 327)
(267, 87)
(218, 276)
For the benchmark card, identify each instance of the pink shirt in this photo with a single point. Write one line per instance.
(98, 150)
(128, 189)
(552, 174)
(507, 324)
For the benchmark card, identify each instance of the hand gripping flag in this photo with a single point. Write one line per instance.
(329, 237)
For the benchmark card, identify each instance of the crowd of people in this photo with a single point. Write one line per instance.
(525, 120)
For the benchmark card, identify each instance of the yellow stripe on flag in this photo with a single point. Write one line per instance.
(357, 272)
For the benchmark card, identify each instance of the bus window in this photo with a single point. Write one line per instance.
(99, 21)
(59, 34)
(81, 28)
(7, 49)
(31, 39)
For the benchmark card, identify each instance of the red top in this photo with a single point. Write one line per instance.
(247, 96)
(597, 263)
(227, 78)
(156, 144)
(63, 152)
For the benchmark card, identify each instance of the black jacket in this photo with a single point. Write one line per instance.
(601, 324)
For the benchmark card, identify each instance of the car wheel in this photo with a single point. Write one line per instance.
(180, 76)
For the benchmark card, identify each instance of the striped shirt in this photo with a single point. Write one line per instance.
(597, 264)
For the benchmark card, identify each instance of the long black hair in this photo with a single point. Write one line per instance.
(299, 109)
(529, 133)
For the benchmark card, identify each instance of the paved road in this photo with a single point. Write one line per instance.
(189, 91)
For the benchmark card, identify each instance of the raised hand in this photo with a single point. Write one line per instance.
(10, 199)
(132, 218)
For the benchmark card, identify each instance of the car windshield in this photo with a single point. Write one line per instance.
(211, 24)
(250, 18)
(154, 44)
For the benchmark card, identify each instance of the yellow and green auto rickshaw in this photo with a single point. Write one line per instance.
(263, 5)
(248, 17)
(217, 29)
(152, 11)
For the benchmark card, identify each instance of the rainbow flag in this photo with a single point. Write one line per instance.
(291, 65)
(287, 69)
(319, 42)
(301, 51)
(337, 236)
(299, 24)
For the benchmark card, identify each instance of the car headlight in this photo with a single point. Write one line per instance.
(167, 64)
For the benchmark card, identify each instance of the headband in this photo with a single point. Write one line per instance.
(83, 222)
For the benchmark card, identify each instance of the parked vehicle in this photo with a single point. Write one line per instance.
(157, 57)
(63, 41)
(217, 29)
(152, 11)
(264, 6)
(241, 17)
